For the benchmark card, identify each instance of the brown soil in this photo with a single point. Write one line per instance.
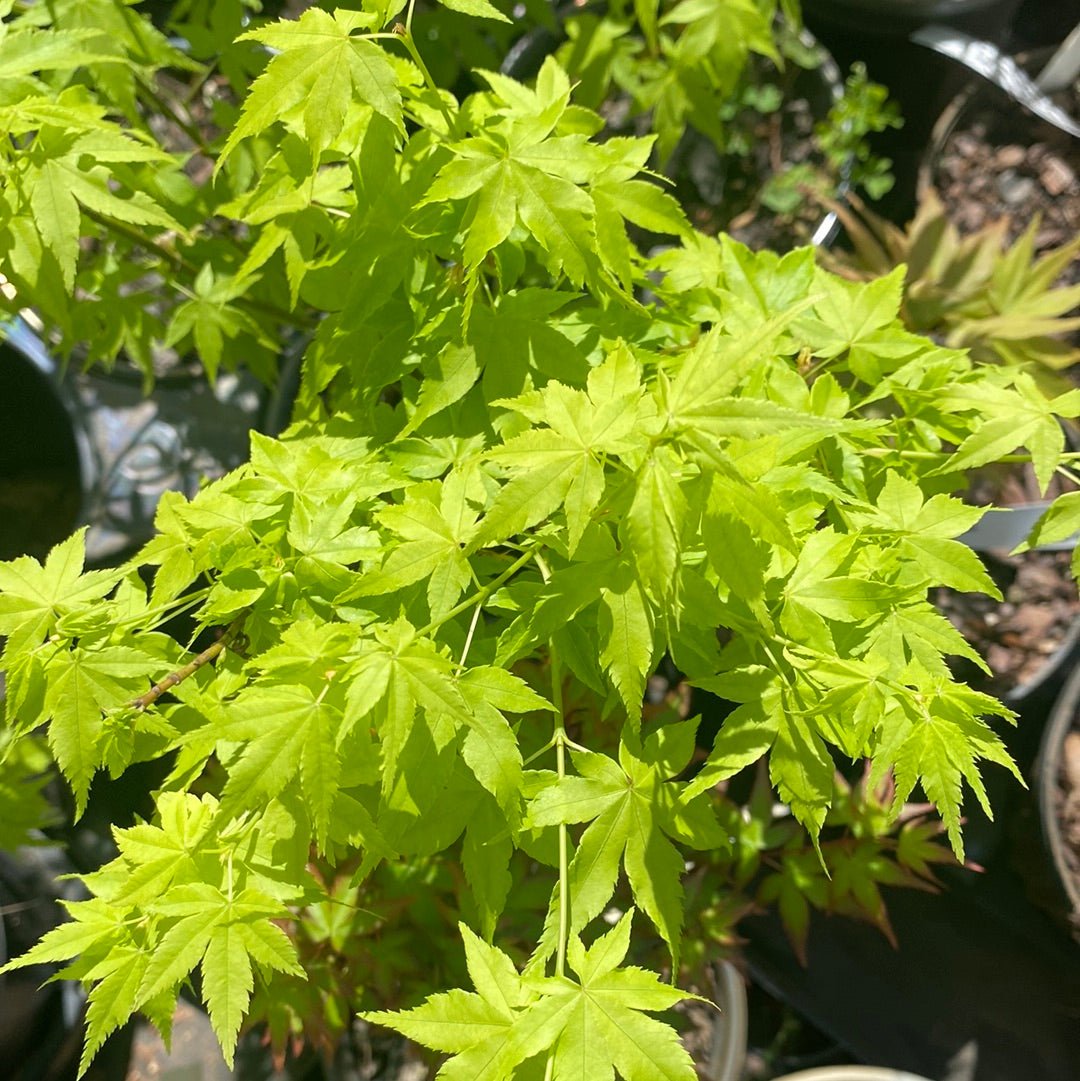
(1001, 161)
(1018, 635)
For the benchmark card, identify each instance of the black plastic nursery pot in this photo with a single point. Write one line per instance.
(1044, 22)
(878, 33)
(1058, 787)
(44, 461)
(982, 986)
(95, 449)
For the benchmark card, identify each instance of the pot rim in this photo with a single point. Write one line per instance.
(1063, 715)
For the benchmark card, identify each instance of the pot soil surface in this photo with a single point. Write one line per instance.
(1018, 635)
(999, 161)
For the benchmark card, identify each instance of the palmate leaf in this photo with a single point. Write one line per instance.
(427, 547)
(211, 319)
(156, 917)
(67, 175)
(937, 742)
(925, 531)
(33, 597)
(510, 172)
(626, 824)
(572, 195)
(164, 854)
(1009, 418)
(419, 707)
(561, 465)
(323, 68)
(83, 685)
(591, 1028)
(224, 934)
(288, 731)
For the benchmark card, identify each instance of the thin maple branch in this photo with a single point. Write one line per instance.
(250, 304)
(173, 113)
(144, 701)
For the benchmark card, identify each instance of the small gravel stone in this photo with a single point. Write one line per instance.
(966, 145)
(1013, 188)
(1056, 176)
(1009, 157)
(1071, 758)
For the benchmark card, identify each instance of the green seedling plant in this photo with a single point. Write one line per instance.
(421, 623)
(862, 109)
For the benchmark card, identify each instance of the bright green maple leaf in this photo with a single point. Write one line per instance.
(224, 934)
(428, 547)
(164, 854)
(65, 173)
(592, 1027)
(320, 69)
(34, 597)
(560, 465)
(925, 531)
(629, 821)
(515, 169)
(287, 731)
(1009, 418)
(937, 741)
(29, 51)
(83, 686)
(211, 318)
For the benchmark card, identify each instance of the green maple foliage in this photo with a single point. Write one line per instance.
(527, 465)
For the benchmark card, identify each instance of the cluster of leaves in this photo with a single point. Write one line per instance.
(864, 109)
(770, 861)
(682, 62)
(841, 156)
(1006, 307)
(511, 489)
(727, 72)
